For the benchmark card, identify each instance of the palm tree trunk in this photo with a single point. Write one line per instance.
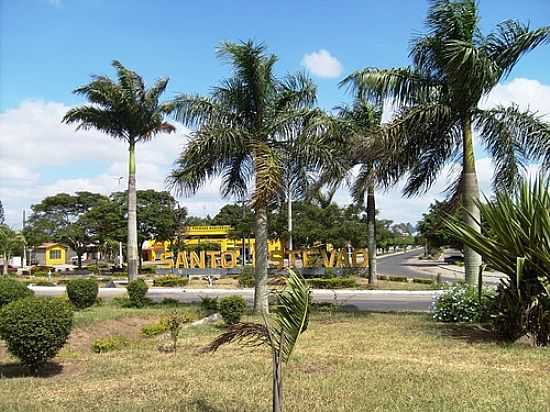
(132, 253)
(260, 247)
(371, 234)
(5, 267)
(472, 260)
(277, 384)
(289, 200)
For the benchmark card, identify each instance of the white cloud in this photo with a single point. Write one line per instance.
(321, 63)
(526, 93)
(41, 156)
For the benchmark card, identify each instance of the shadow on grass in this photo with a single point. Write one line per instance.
(17, 370)
(202, 405)
(471, 333)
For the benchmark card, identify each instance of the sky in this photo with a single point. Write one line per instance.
(50, 47)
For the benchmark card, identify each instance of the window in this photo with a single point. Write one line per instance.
(55, 254)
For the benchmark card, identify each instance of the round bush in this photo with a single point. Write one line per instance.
(11, 290)
(137, 289)
(35, 329)
(82, 292)
(231, 309)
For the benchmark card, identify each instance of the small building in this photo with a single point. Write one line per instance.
(50, 254)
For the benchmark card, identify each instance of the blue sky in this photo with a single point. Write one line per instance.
(48, 47)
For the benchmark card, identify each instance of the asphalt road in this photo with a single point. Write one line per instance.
(353, 300)
(398, 265)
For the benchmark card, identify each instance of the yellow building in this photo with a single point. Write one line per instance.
(51, 254)
(204, 237)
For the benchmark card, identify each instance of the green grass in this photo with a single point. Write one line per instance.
(344, 362)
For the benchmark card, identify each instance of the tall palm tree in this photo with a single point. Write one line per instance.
(240, 134)
(359, 126)
(454, 67)
(128, 111)
(290, 319)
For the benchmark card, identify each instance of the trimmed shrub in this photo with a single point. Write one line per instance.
(35, 329)
(149, 270)
(342, 282)
(82, 292)
(423, 281)
(42, 269)
(41, 282)
(461, 303)
(397, 279)
(137, 289)
(12, 290)
(231, 309)
(170, 281)
(247, 279)
(109, 343)
(210, 305)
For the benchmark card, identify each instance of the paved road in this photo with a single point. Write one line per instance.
(401, 265)
(354, 300)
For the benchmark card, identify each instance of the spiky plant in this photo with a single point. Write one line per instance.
(124, 109)
(517, 243)
(280, 333)
(242, 133)
(454, 66)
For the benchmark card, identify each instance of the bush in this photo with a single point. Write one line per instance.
(210, 305)
(42, 282)
(462, 304)
(42, 269)
(397, 279)
(341, 282)
(82, 292)
(109, 343)
(137, 289)
(149, 270)
(11, 290)
(170, 281)
(154, 329)
(247, 279)
(231, 309)
(423, 281)
(35, 329)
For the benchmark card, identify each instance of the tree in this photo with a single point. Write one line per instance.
(2, 216)
(240, 132)
(433, 228)
(128, 111)
(239, 217)
(156, 215)
(290, 320)
(359, 126)
(10, 241)
(437, 98)
(59, 218)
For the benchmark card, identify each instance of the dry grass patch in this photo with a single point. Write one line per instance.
(355, 362)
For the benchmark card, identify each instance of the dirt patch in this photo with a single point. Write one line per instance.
(82, 338)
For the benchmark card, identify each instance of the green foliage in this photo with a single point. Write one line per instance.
(109, 344)
(137, 289)
(41, 270)
(231, 309)
(516, 242)
(148, 270)
(12, 290)
(462, 303)
(338, 282)
(170, 281)
(174, 321)
(155, 328)
(433, 227)
(210, 305)
(35, 329)
(247, 278)
(82, 292)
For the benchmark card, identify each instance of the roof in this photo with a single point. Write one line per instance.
(47, 245)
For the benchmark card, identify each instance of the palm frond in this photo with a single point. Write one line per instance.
(246, 334)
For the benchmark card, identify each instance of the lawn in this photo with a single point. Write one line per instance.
(344, 362)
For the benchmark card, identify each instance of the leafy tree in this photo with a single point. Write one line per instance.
(156, 215)
(239, 217)
(10, 241)
(280, 334)
(128, 111)
(59, 218)
(241, 129)
(433, 228)
(454, 67)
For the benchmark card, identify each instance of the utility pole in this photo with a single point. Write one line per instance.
(24, 260)
(289, 201)
(243, 248)
(120, 256)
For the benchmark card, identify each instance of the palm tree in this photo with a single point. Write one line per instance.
(359, 126)
(454, 67)
(10, 241)
(241, 134)
(290, 319)
(128, 111)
